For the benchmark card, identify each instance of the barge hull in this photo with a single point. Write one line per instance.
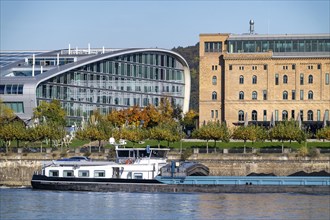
(175, 188)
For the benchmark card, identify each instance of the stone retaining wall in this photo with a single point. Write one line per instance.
(18, 171)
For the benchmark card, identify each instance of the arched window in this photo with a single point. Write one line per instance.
(310, 115)
(241, 95)
(214, 95)
(310, 95)
(301, 79)
(326, 115)
(284, 115)
(310, 79)
(241, 79)
(254, 95)
(285, 95)
(240, 115)
(285, 79)
(254, 115)
(214, 80)
(254, 79)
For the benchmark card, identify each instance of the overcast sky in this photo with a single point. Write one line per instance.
(46, 25)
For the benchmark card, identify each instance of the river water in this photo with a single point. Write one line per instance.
(25, 203)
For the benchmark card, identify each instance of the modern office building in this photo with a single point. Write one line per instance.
(88, 79)
(257, 78)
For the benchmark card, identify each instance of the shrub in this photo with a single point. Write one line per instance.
(314, 152)
(303, 151)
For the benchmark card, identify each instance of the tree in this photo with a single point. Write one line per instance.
(244, 133)
(6, 114)
(14, 130)
(323, 133)
(212, 131)
(131, 133)
(189, 120)
(287, 131)
(160, 133)
(50, 112)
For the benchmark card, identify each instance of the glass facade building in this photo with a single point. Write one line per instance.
(102, 80)
(277, 44)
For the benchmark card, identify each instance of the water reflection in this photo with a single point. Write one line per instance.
(34, 204)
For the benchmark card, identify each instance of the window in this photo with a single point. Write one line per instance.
(285, 95)
(216, 114)
(212, 113)
(326, 115)
(285, 79)
(301, 115)
(230, 67)
(68, 173)
(318, 66)
(310, 67)
(254, 67)
(276, 115)
(241, 95)
(214, 95)
(138, 176)
(301, 79)
(83, 173)
(254, 95)
(99, 173)
(310, 115)
(265, 67)
(292, 114)
(254, 79)
(301, 94)
(285, 67)
(293, 66)
(214, 80)
(327, 79)
(213, 46)
(318, 115)
(241, 67)
(264, 94)
(214, 67)
(17, 107)
(53, 173)
(240, 115)
(265, 115)
(276, 79)
(310, 79)
(241, 79)
(293, 94)
(310, 95)
(254, 115)
(284, 115)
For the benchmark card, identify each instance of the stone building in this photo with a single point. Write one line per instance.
(254, 78)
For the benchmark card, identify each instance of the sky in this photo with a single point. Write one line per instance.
(48, 25)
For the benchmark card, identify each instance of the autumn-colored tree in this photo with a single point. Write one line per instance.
(189, 120)
(151, 116)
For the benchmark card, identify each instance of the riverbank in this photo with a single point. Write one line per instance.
(17, 169)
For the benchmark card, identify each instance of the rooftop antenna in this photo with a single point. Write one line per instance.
(251, 26)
